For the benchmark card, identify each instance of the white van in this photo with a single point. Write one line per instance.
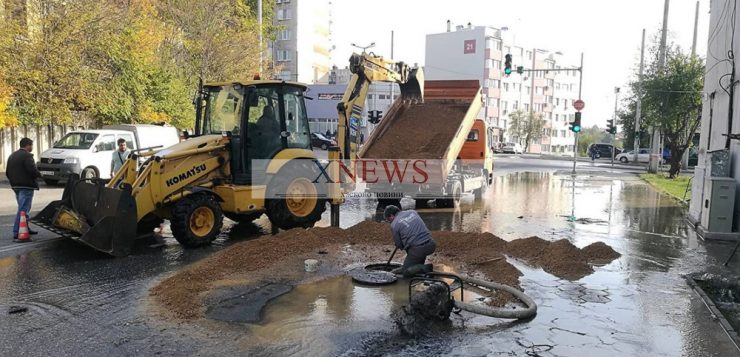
(88, 152)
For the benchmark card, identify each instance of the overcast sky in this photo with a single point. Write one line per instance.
(607, 32)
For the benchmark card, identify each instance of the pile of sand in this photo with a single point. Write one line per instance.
(477, 253)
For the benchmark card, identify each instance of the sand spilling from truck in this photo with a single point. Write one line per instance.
(476, 254)
(404, 139)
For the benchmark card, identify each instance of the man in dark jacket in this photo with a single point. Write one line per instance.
(410, 234)
(22, 174)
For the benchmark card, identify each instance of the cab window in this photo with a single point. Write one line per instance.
(473, 135)
(296, 120)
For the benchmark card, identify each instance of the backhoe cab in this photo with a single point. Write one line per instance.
(251, 154)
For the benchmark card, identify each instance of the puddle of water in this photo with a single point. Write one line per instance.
(310, 317)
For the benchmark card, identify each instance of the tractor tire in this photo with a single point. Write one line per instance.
(196, 220)
(293, 199)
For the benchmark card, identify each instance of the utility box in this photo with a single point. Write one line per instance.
(719, 204)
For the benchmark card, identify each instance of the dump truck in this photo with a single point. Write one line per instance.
(250, 155)
(444, 134)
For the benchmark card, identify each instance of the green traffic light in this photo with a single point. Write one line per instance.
(507, 70)
(576, 129)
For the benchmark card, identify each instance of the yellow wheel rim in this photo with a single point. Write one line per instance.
(301, 197)
(202, 221)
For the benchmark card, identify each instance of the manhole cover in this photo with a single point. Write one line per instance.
(372, 277)
(382, 266)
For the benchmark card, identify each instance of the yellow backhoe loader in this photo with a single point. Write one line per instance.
(250, 154)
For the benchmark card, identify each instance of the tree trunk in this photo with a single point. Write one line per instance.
(676, 156)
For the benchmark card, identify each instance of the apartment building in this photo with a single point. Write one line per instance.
(478, 52)
(302, 47)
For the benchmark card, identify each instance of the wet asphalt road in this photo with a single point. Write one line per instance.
(79, 302)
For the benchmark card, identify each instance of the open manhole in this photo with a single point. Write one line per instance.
(375, 274)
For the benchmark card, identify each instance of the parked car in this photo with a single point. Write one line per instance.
(88, 152)
(603, 150)
(642, 156)
(321, 141)
(512, 148)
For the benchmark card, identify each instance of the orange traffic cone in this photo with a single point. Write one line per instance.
(23, 234)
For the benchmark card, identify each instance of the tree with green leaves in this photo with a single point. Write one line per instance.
(526, 127)
(671, 101)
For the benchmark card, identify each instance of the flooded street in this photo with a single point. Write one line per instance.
(82, 303)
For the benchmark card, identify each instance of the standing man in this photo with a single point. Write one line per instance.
(22, 174)
(411, 235)
(119, 157)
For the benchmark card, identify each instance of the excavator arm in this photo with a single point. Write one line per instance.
(366, 68)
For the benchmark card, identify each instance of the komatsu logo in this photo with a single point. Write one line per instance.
(185, 175)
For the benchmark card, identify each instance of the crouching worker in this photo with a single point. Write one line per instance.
(411, 235)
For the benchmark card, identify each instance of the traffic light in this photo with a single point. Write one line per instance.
(374, 116)
(507, 64)
(610, 127)
(575, 125)
(520, 69)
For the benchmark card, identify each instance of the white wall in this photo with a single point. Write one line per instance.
(445, 57)
(716, 107)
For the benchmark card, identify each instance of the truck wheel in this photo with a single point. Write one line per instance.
(624, 160)
(453, 199)
(301, 203)
(90, 172)
(196, 220)
(478, 192)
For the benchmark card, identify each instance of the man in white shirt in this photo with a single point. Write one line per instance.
(119, 157)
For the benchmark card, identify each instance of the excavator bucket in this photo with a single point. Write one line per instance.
(413, 89)
(100, 217)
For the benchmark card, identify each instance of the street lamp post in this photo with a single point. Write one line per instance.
(614, 134)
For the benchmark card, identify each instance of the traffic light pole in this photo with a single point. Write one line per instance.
(580, 89)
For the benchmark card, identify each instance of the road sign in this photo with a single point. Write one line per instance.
(579, 104)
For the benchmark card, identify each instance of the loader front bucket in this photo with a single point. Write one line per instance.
(413, 88)
(100, 217)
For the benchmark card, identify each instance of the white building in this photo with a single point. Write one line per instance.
(302, 48)
(469, 52)
(716, 123)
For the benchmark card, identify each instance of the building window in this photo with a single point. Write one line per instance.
(284, 35)
(528, 89)
(285, 75)
(539, 90)
(283, 55)
(283, 14)
(504, 105)
(529, 55)
(506, 86)
(562, 133)
(516, 105)
(507, 49)
(526, 107)
(557, 117)
(496, 83)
